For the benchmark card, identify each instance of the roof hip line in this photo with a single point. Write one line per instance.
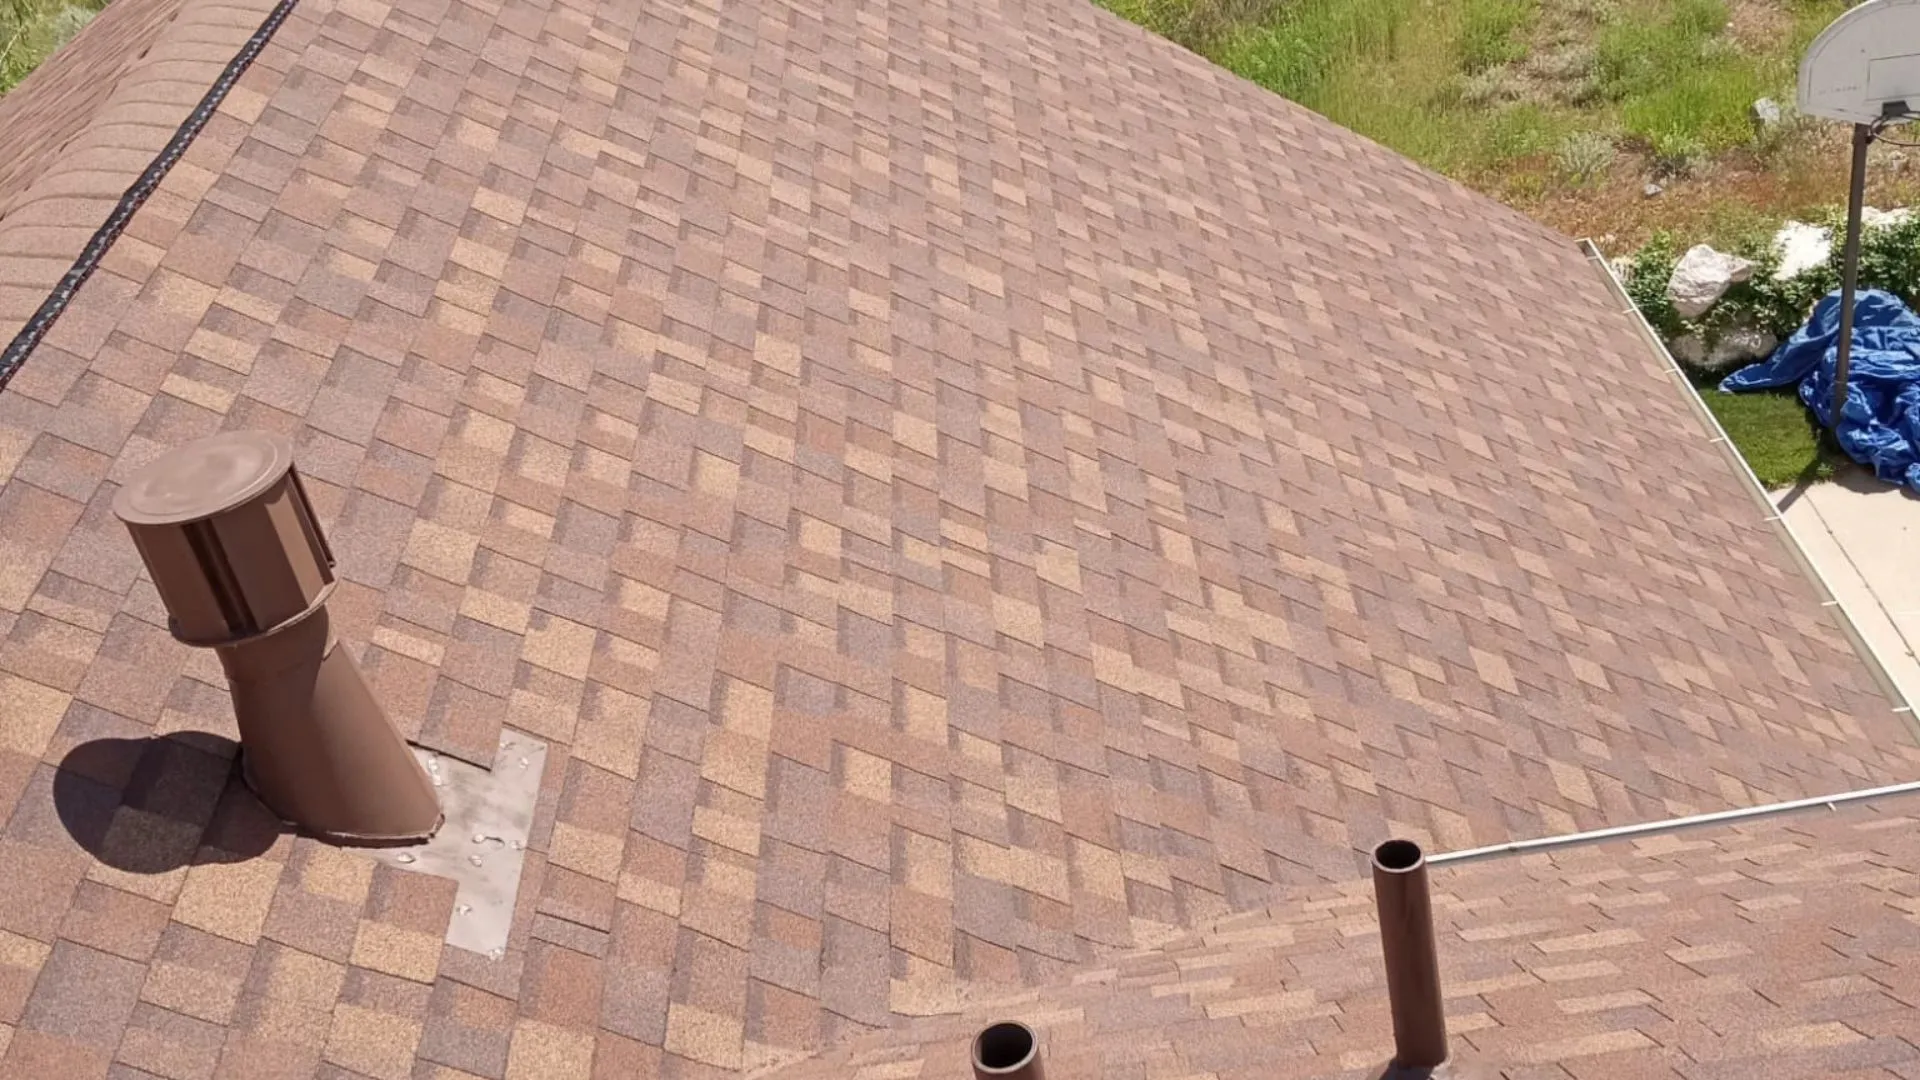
(1649, 828)
(143, 186)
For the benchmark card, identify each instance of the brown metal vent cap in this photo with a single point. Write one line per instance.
(204, 478)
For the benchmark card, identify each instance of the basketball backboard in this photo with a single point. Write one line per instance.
(1865, 60)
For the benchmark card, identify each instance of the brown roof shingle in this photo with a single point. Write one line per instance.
(964, 490)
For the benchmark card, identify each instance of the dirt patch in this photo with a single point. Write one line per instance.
(1758, 25)
(1559, 65)
(1739, 190)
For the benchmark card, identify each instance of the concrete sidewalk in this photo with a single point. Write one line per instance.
(1864, 535)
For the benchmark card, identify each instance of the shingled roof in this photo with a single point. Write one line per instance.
(966, 490)
(1782, 947)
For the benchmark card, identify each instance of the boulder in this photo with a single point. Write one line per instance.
(1801, 247)
(1702, 277)
(1881, 219)
(1735, 347)
(1689, 350)
(1740, 345)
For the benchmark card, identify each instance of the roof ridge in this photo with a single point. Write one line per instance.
(100, 133)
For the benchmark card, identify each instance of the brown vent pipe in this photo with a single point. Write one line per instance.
(1006, 1051)
(236, 553)
(1413, 962)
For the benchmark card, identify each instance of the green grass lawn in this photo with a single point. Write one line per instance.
(30, 30)
(1775, 433)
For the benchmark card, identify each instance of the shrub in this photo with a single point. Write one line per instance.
(1584, 157)
(1488, 87)
(1646, 282)
(1889, 260)
(1889, 257)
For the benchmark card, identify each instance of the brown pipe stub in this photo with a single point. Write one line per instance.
(1405, 907)
(237, 555)
(320, 751)
(1007, 1050)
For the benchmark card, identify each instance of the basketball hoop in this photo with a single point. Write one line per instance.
(1863, 69)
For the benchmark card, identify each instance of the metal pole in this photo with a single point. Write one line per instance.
(1850, 269)
(1413, 962)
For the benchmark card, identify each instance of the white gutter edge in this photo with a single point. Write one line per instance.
(1770, 513)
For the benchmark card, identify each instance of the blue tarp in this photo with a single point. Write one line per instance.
(1880, 424)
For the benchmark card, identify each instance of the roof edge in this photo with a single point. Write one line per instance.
(1770, 514)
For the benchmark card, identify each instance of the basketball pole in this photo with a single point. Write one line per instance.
(1850, 269)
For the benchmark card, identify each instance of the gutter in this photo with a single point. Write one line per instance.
(1769, 513)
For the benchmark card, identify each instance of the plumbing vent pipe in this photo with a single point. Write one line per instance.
(1006, 1051)
(1413, 962)
(224, 526)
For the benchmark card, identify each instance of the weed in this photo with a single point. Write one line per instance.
(1675, 152)
(1296, 53)
(1584, 157)
(1486, 35)
(30, 30)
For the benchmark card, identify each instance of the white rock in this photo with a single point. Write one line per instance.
(1881, 219)
(1702, 277)
(1740, 345)
(1801, 247)
(1736, 346)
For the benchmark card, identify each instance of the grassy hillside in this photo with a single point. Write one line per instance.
(30, 30)
(1567, 109)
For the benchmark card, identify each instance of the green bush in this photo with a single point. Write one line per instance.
(1646, 284)
(1889, 257)
(1889, 260)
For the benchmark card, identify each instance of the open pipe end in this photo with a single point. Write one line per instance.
(1007, 1049)
(1398, 856)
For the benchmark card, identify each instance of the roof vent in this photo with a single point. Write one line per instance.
(1413, 963)
(1006, 1051)
(236, 553)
